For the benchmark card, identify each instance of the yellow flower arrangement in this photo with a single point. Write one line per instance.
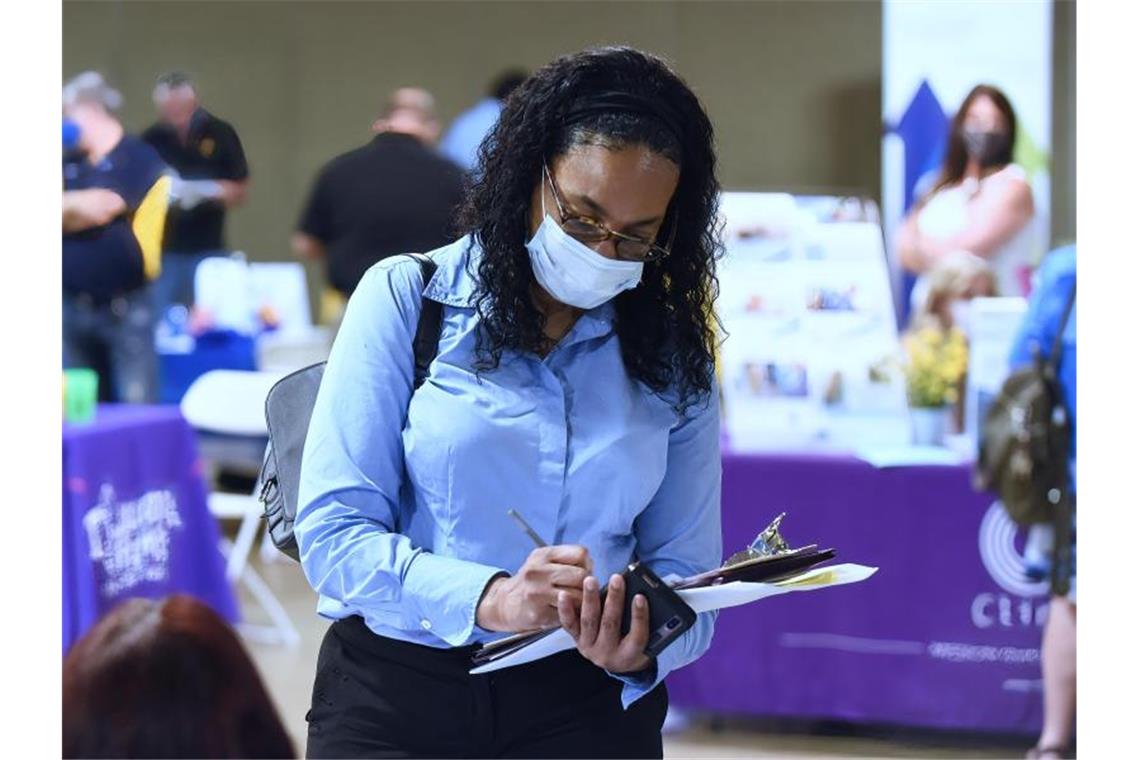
(936, 363)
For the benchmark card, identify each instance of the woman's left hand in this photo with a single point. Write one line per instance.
(597, 631)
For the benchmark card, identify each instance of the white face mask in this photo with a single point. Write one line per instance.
(573, 272)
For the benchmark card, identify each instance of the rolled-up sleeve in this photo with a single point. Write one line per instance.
(353, 470)
(679, 532)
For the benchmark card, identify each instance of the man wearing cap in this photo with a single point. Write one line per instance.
(114, 208)
(212, 176)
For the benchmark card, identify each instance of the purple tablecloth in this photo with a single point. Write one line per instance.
(945, 635)
(135, 520)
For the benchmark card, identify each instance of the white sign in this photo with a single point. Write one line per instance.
(811, 329)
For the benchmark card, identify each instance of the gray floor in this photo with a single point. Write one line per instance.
(288, 673)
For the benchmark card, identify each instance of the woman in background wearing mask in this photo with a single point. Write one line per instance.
(981, 202)
(574, 383)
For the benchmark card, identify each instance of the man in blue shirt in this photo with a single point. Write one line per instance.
(114, 207)
(461, 143)
(1056, 283)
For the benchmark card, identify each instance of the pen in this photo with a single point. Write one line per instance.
(525, 526)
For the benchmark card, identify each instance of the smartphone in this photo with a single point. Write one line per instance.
(669, 615)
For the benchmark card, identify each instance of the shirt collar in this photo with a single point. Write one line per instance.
(395, 138)
(594, 323)
(455, 283)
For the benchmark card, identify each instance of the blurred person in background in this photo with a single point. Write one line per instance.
(114, 209)
(1056, 285)
(212, 176)
(575, 379)
(394, 195)
(166, 678)
(981, 202)
(955, 280)
(461, 143)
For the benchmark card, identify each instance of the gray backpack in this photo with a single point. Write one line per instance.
(288, 409)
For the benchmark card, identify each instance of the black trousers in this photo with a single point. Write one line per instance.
(379, 697)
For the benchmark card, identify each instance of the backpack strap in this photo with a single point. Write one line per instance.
(1064, 504)
(1055, 355)
(425, 346)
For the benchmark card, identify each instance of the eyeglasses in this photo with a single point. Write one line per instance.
(590, 231)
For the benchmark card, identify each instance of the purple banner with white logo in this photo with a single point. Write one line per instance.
(946, 635)
(135, 519)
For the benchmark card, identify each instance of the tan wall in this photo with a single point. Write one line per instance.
(792, 87)
(1064, 169)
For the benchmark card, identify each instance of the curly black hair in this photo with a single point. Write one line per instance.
(665, 325)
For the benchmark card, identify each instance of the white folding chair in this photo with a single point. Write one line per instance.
(231, 403)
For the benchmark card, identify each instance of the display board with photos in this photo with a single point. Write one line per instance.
(811, 357)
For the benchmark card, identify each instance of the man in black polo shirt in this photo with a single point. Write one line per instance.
(212, 176)
(394, 195)
(114, 207)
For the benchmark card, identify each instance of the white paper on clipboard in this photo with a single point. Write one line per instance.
(702, 600)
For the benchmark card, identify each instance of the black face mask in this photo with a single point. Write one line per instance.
(987, 148)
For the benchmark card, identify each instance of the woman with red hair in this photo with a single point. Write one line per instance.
(166, 678)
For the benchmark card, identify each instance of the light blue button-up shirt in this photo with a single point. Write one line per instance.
(402, 514)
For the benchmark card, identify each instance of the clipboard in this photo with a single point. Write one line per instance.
(757, 572)
(538, 645)
(770, 569)
(762, 569)
(501, 648)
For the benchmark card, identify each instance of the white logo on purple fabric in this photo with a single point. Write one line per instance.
(130, 540)
(1001, 557)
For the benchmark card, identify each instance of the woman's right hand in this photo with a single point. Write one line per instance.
(528, 600)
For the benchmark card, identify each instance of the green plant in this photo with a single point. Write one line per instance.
(936, 363)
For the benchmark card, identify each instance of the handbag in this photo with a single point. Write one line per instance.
(289, 407)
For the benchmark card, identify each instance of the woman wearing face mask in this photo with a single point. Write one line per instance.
(574, 383)
(981, 202)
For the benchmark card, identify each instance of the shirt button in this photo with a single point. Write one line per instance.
(425, 624)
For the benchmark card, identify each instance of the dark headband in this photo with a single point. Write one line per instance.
(625, 102)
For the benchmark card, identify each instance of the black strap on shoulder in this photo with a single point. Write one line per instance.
(426, 343)
(1055, 356)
